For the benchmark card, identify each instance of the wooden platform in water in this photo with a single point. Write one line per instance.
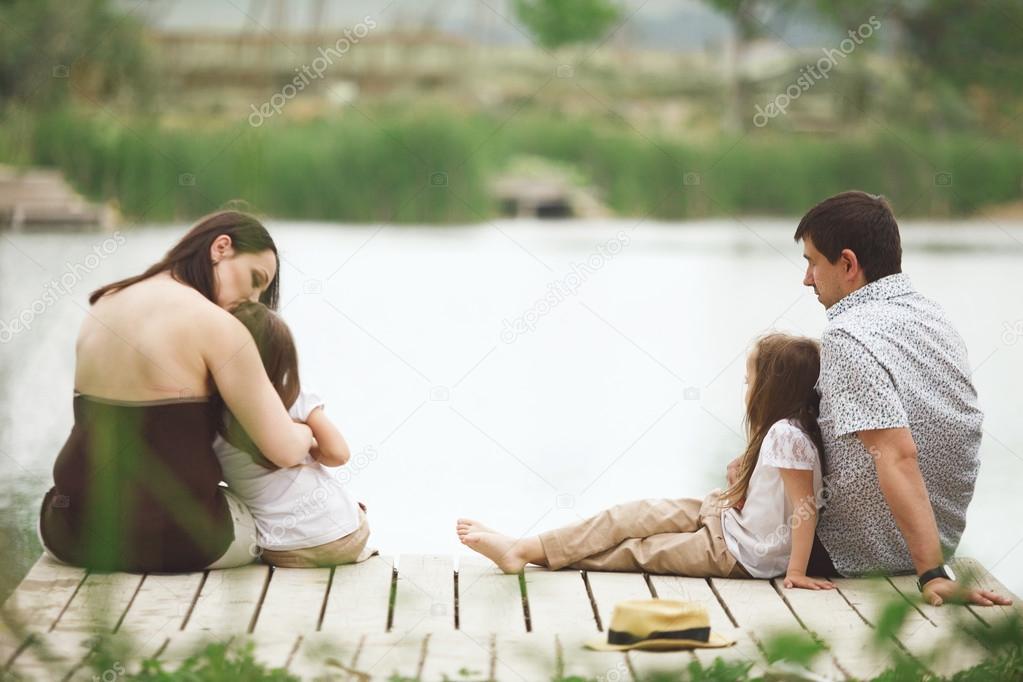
(423, 617)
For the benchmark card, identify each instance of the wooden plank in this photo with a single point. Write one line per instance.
(578, 661)
(489, 601)
(389, 654)
(525, 658)
(647, 664)
(425, 596)
(325, 654)
(49, 656)
(228, 600)
(184, 644)
(558, 601)
(41, 596)
(608, 589)
(456, 655)
(829, 616)
(294, 600)
(100, 602)
(698, 590)
(359, 595)
(161, 605)
(761, 613)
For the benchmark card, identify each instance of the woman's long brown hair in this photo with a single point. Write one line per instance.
(189, 261)
(276, 349)
(785, 371)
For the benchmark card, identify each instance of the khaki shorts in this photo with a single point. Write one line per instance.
(349, 549)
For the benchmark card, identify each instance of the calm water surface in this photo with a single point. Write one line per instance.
(522, 373)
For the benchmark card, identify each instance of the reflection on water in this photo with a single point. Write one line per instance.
(523, 373)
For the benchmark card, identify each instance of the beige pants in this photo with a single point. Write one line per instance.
(674, 537)
(349, 549)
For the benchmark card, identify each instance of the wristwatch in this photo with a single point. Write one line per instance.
(943, 571)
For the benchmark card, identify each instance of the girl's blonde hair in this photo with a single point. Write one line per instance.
(785, 372)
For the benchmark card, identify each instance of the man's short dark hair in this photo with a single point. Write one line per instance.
(860, 222)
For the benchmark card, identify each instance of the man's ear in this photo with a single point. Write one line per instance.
(850, 263)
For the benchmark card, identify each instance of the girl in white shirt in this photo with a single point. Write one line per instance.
(304, 516)
(762, 526)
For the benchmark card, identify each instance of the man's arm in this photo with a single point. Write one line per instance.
(903, 487)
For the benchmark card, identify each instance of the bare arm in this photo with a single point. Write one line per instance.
(331, 449)
(799, 491)
(231, 356)
(898, 473)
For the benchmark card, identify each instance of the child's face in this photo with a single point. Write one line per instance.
(751, 371)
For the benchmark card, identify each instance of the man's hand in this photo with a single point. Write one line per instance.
(941, 590)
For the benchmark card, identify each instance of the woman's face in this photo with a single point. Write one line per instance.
(240, 277)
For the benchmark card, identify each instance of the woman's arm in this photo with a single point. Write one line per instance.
(331, 449)
(799, 491)
(232, 359)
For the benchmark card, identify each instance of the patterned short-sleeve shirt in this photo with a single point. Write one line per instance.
(890, 358)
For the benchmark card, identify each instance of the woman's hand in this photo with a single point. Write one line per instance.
(732, 472)
(793, 579)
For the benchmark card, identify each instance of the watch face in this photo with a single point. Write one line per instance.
(951, 575)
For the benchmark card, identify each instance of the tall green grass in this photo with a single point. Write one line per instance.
(435, 167)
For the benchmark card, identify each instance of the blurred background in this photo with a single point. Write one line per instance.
(525, 243)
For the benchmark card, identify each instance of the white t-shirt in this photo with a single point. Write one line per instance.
(294, 508)
(760, 534)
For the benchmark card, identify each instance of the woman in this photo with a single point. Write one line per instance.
(136, 485)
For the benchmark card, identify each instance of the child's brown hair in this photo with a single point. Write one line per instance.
(276, 349)
(785, 372)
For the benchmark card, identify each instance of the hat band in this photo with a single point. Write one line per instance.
(622, 637)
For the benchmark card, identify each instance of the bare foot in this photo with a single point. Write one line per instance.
(466, 526)
(508, 553)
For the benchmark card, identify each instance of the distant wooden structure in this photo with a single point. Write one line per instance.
(427, 618)
(36, 198)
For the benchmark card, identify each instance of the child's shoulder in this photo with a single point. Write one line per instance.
(787, 445)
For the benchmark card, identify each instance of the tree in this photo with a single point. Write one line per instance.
(554, 23)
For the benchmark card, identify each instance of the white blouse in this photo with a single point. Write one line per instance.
(295, 508)
(760, 534)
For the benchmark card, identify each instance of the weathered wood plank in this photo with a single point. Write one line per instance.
(49, 656)
(358, 599)
(228, 600)
(457, 655)
(698, 590)
(293, 601)
(974, 572)
(425, 596)
(161, 604)
(391, 654)
(100, 603)
(579, 661)
(41, 596)
(558, 601)
(525, 658)
(828, 615)
(489, 601)
(330, 655)
(610, 588)
(648, 663)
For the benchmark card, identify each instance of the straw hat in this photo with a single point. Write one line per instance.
(659, 625)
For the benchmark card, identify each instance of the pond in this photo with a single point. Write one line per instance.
(524, 373)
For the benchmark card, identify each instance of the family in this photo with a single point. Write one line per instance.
(861, 458)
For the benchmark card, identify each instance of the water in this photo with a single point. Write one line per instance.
(627, 383)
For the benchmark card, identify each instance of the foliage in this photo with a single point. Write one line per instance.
(562, 22)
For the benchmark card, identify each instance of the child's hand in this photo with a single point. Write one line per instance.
(807, 583)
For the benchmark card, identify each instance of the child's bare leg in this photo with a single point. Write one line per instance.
(510, 554)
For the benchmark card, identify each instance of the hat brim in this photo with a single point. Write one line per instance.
(716, 642)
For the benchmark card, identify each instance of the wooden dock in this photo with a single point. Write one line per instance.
(426, 618)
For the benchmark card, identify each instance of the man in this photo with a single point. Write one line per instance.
(898, 414)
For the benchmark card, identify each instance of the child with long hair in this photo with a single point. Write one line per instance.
(762, 526)
(304, 516)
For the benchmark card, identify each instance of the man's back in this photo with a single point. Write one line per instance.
(889, 359)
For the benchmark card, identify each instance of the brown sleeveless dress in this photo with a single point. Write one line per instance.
(136, 487)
